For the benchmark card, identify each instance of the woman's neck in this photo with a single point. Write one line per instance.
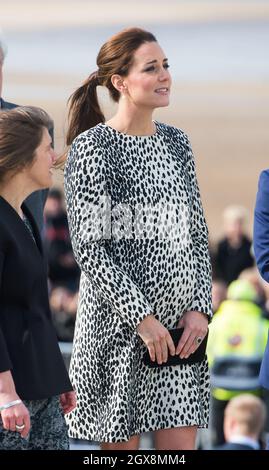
(15, 192)
(133, 122)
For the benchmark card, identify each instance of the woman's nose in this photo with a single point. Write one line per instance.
(164, 75)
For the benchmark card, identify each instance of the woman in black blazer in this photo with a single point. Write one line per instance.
(35, 390)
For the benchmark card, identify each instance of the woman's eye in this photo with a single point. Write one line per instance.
(153, 68)
(150, 69)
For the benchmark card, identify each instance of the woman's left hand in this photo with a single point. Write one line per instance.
(195, 326)
(68, 401)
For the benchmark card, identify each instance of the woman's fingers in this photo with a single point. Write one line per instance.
(164, 348)
(27, 423)
(5, 421)
(151, 350)
(158, 351)
(170, 344)
(68, 401)
(156, 338)
(19, 424)
(12, 423)
(161, 348)
(189, 346)
(15, 417)
(183, 340)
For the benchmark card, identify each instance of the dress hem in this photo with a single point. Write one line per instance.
(95, 438)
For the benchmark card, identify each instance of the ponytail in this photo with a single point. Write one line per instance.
(84, 110)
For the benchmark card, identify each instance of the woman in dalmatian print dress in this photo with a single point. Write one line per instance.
(140, 238)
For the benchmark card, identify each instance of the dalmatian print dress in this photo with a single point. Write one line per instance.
(140, 237)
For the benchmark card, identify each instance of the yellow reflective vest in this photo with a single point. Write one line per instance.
(237, 329)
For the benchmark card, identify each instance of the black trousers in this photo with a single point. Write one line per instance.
(216, 421)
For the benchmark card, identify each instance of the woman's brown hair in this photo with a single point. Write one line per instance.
(115, 57)
(21, 131)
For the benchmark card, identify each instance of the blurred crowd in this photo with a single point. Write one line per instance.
(239, 329)
(63, 271)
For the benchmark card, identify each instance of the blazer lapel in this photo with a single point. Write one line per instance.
(33, 223)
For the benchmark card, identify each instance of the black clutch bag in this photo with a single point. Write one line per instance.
(196, 357)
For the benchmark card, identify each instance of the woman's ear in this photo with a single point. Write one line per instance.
(118, 83)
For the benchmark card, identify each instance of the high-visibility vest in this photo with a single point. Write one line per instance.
(237, 329)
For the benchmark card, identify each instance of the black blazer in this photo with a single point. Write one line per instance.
(36, 201)
(28, 342)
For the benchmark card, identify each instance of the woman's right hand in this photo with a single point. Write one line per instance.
(15, 415)
(157, 339)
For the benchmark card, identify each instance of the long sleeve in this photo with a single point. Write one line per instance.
(88, 217)
(202, 301)
(5, 362)
(261, 226)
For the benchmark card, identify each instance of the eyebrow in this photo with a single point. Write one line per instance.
(154, 61)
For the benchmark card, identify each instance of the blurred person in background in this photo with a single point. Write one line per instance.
(233, 252)
(35, 390)
(236, 343)
(63, 304)
(133, 290)
(36, 201)
(63, 270)
(253, 276)
(244, 420)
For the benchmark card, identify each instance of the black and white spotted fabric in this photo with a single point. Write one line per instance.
(140, 238)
